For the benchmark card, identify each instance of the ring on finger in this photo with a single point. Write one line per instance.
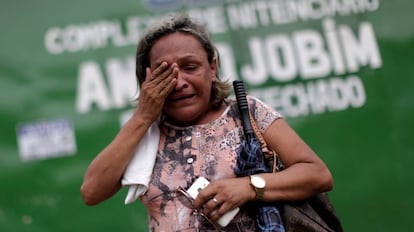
(215, 200)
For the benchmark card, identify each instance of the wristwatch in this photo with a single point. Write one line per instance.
(259, 185)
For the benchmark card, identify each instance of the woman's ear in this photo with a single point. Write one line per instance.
(214, 68)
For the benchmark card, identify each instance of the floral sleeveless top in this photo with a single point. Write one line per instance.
(207, 150)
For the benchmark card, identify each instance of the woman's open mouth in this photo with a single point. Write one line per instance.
(177, 98)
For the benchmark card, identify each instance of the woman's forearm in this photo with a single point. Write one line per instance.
(103, 176)
(297, 182)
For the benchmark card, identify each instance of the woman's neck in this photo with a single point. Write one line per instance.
(209, 116)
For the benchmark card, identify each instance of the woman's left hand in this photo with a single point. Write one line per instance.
(223, 195)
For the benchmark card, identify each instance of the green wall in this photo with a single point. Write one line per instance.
(342, 74)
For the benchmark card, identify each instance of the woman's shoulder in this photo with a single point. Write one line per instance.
(255, 106)
(262, 113)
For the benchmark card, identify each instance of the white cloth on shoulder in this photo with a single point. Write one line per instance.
(139, 170)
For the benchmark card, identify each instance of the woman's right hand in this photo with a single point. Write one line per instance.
(158, 84)
(103, 176)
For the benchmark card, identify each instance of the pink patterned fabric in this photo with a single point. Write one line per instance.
(207, 150)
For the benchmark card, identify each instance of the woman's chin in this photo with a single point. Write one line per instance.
(183, 115)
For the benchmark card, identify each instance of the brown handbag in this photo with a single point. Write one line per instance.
(315, 214)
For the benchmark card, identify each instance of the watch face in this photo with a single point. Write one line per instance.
(258, 182)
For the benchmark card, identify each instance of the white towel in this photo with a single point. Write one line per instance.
(138, 172)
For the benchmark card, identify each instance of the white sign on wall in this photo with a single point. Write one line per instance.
(46, 139)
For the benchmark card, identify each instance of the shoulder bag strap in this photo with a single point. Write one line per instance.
(271, 156)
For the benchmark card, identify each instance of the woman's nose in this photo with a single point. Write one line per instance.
(181, 81)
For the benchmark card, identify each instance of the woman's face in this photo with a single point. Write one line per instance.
(189, 103)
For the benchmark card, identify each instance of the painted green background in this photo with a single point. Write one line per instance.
(369, 150)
